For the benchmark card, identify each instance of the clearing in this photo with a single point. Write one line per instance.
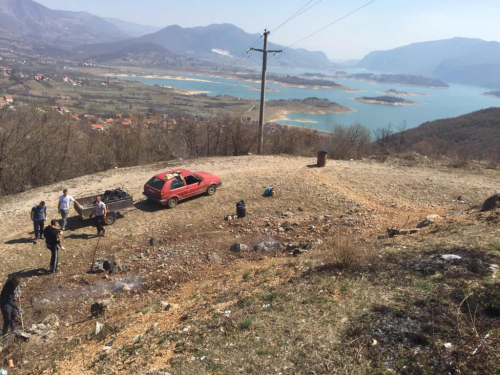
(353, 302)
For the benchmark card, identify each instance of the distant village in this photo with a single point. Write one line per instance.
(102, 123)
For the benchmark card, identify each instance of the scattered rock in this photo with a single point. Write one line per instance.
(261, 246)
(155, 241)
(182, 347)
(429, 220)
(350, 223)
(450, 257)
(393, 232)
(238, 247)
(51, 320)
(448, 345)
(311, 245)
(214, 257)
(167, 306)
(110, 264)
(99, 308)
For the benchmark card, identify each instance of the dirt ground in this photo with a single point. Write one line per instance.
(363, 198)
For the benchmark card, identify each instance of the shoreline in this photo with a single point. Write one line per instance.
(235, 78)
(393, 83)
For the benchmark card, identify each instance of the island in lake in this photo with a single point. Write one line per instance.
(387, 100)
(294, 81)
(402, 93)
(400, 79)
(494, 94)
(279, 109)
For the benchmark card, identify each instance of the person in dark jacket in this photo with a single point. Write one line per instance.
(53, 243)
(39, 215)
(8, 304)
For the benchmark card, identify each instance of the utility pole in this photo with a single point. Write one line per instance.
(264, 51)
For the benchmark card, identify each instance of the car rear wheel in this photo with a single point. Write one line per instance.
(110, 218)
(211, 190)
(172, 202)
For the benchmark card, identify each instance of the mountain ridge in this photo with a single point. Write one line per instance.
(458, 60)
(201, 41)
(36, 22)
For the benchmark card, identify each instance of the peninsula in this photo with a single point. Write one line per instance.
(494, 94)
(279, 109)
(400, 79)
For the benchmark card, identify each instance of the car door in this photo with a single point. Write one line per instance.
(178, 189)
(200, 186)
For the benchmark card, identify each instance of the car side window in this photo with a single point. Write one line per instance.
(176, 184)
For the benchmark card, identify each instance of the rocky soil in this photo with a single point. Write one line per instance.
(160, 258)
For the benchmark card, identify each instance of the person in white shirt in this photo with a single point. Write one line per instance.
(100, 215)
(64, 205)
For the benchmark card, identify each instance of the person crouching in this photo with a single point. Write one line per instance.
(8, 304)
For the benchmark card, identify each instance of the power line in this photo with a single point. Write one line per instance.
(301, 11)
(316, 32)
(327, 26)
(296, 14)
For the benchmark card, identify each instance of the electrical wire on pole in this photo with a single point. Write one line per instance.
(264, 51)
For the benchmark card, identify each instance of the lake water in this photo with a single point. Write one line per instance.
(438, 104)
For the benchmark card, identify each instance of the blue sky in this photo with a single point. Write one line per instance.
(384, 24)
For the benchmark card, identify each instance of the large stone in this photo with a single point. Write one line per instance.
(110, 264)
(429, 220)
(238, 247)
(214, 257)
(99, 308)
(261, 246)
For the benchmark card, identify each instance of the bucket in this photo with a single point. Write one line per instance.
(241, 209)
(322, 156)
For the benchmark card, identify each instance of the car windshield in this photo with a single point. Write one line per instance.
(156, 183)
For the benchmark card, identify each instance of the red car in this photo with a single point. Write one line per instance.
(170, 187)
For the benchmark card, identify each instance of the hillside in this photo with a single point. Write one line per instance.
(479, 131)
(35, 22)
(351, 301)
(201, 42)
(457, 60)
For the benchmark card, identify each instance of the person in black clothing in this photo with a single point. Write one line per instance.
(53, 243)
(8, 304)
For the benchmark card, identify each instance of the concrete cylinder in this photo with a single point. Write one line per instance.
(322, 157)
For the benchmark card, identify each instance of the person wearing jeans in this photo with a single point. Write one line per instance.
(64, 205)
(100, 215)
(53, 243)
(39, 215)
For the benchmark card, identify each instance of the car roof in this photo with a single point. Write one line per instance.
(184, 172)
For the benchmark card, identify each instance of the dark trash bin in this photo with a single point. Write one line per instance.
(241, 209)
(322, 156)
